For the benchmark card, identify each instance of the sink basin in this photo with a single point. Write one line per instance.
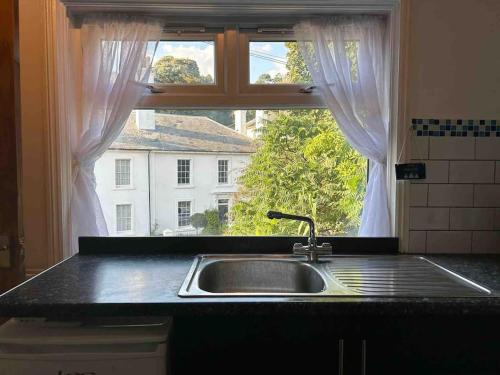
(334, 276)
(260, 276)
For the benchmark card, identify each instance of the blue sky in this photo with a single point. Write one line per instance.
(265, 57)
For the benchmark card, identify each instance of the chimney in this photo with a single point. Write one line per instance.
(240, 121)
(259, 118)
(145, 119)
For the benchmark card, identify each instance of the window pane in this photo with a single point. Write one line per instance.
(122, 172)
(223, 170)
(183, 172)
(277, 63)
(223, 208)
(295, 161)
(123, 217)
(184, 214)
(184, 62)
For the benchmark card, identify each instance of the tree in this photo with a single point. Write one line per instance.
(198, 221)
(214, 225)
(169, 69)
(304, 165)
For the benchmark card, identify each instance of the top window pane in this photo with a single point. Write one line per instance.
(184, 62)
(277, 62)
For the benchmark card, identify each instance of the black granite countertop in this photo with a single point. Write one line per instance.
(147, 284)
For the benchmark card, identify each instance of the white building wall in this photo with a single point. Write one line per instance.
(137, 194)
(203, 192)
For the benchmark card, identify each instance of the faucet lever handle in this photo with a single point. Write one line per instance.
(300, 249)
(325, 249)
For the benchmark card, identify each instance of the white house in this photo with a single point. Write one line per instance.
(164, 168)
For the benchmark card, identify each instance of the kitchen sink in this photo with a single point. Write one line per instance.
(260, 276)
(333, 276)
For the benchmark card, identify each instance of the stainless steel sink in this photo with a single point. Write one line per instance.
(260, 276)
(283, 275)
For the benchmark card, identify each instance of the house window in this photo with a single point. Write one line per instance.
(223, 208)
(183, 171)
(184, 213)
(223, 171)
(122, 172)
(123, 217)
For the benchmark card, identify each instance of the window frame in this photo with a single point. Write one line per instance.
(233, 88)
(228, 168)
(190, 184)
(169, 90)
(130, 185)
(183, 227)
(218, 199)
(128, 231)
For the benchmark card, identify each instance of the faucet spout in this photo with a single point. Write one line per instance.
(312, 250)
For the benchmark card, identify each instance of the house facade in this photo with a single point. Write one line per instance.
(167, 168)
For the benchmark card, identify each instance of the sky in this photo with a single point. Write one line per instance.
(265, 57)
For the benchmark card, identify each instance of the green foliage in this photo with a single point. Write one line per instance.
(214, 226)
(198, 221)
(304, 166)
(170, 69)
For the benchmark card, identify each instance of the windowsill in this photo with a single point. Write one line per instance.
(187, 186)
(128, 187)
(126, 233)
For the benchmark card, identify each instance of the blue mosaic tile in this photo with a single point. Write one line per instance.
(455, 128)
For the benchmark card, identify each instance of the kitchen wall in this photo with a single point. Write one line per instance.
(453, 109)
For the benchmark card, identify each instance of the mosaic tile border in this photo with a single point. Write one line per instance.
(455, 128)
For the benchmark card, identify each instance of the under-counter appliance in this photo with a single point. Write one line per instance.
(41, 347)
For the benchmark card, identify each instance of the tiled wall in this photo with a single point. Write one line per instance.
(456, 209)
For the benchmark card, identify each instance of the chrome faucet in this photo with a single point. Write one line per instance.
(311, 250)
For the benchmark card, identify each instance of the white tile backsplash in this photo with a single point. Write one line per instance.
(487, 196)
(449, 242)
(451, 148)
(472, 218)
(488, 148)
(436, 172)
(425, 218)
(450, 195)
(417, 241)
(486, 242)
(418, 195)
(456, 208)
(479, 172)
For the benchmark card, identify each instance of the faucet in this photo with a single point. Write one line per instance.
(311, 250)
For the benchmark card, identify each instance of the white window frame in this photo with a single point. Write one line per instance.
(191, 174)
(131, 230)
(228, 172)
(191, 205)
(131, 184)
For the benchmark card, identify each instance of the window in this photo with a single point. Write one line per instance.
(122, 172)
(223, 171)
(223, 208)
(237, 109)
(184, 213)
(123, 217)
(183, 171)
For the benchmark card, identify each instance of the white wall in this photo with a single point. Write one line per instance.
(203, 191)
(453, 73)
(137, 194)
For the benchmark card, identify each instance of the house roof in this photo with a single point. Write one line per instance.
(183, 133)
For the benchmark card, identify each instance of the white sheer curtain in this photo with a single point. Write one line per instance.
(115, 67)
(346, 57)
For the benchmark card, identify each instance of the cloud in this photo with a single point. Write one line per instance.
(203, 55)
(278, 68)
(261, 47)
